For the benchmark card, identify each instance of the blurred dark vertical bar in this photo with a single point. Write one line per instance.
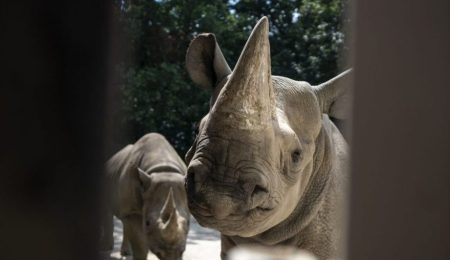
(400, 193)
(53, 78)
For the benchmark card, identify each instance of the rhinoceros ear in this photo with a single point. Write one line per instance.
(335, 95)
(144, 179)
(205, 62)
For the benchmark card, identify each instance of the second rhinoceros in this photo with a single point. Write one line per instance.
(267, 165)
(146, 192)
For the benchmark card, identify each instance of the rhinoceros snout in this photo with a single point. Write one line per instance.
(210, 196)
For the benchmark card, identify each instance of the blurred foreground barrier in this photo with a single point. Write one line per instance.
(400, 195)
(52, 99)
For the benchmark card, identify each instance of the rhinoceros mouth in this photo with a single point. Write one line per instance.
(234, 223)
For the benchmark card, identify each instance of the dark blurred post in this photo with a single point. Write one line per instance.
(53, 87)
(400, 193)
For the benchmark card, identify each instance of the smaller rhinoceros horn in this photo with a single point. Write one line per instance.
(171, 229)
(169, 207)
(247, 99)
(169, 216)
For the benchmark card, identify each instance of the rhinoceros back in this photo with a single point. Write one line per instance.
(156, 155)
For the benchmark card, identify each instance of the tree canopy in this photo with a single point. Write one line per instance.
(306, 37)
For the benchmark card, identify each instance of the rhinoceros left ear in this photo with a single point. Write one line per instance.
(335, 95)
(144, 179)
(205, 62)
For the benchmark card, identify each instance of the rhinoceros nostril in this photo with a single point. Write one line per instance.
(253, 189)
(258, 195)
(258, 190)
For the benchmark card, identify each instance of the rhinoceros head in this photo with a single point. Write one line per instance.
(166, 215)
(254, 153)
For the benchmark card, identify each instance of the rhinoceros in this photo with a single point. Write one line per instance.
(267, 165)
(146, 192)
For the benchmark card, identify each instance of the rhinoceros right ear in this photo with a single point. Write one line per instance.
(144, 179)
(205, 62)
(335, 95)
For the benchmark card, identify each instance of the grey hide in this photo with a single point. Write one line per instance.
(146, 192)
(267, 165)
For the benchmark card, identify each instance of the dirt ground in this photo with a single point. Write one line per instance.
(202, 243)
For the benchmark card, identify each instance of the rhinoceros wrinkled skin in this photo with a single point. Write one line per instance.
(146, 188)
(268, 165)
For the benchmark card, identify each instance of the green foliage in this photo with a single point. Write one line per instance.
(158, 99)
(158, 96)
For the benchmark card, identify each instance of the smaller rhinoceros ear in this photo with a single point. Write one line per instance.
(335, 95)
(205, 62)
(144, 178)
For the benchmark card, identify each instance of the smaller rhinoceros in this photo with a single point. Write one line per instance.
(146, 192)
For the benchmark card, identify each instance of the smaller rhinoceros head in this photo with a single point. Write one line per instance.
(166, 216)
(254, 153)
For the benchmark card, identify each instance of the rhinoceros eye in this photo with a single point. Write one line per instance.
(296, 156)
(147, 223)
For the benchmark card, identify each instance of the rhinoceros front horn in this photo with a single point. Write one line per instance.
(247, 99)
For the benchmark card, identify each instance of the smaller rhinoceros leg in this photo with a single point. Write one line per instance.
(125, 247)
(136, 237)
(226, 245)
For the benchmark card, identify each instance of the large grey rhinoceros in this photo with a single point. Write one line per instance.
(146, 189)
(267, 165)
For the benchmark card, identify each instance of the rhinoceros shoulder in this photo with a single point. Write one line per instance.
(157, 154)
(115, 165)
